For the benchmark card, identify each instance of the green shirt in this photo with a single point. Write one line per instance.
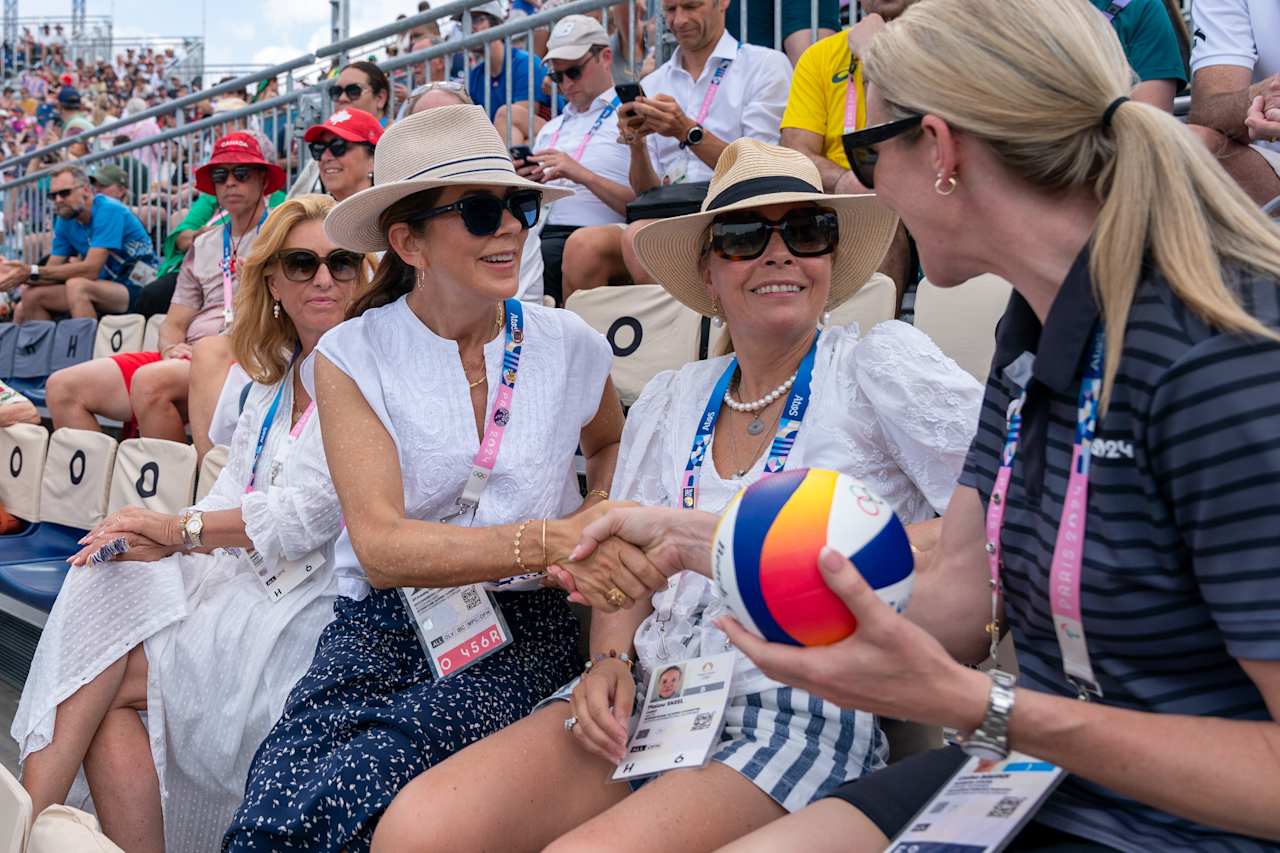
(202, 210)
(1148, 39)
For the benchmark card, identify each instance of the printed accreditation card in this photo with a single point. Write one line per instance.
(982, 807)
(457, 626)
(683, 713)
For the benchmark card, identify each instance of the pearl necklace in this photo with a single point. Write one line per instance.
(763, 402)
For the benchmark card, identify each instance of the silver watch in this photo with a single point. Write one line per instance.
(991, 740)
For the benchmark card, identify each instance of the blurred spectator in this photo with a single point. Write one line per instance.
(15, 408)
(104, 235)
(580, 146)
(111, 181)
(70, 105)
(711, 91)
(1234, 61)
(1152, 33)
(523, 125)
(796, 27)
(364, 86)
(343, 147)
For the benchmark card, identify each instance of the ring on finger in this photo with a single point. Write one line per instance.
(569, 723)
(615, 597)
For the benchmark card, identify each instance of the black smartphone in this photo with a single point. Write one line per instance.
(520, 152)
(628, 92)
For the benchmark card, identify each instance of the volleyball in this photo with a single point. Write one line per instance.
(765, 554)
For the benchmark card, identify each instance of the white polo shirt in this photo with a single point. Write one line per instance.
(603, 155)
(748, 102)
(1244, 33)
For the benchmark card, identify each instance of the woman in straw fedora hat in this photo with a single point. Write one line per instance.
(768, 255)
(454, 412)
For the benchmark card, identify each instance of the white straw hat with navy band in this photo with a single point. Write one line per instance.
(441, 147)
(751, 174)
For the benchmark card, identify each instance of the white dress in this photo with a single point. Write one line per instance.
(889, 409)
(222, 657)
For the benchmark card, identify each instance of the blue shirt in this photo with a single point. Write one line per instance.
(519, 60)
(114, 228)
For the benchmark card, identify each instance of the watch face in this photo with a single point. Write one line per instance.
(983, 751)
(695, 135)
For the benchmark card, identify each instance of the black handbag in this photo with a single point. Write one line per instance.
(670, 200)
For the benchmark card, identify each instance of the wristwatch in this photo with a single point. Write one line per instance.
(991, 740)
(35, 271)
(192, 522)
(693, 137)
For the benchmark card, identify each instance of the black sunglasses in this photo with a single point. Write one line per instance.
(859, 146)
(219, 174)
(336, 146)
(59, 195)
(302, 264)
(351, 90)
(482, 214)
(806, 232)
(573, 72)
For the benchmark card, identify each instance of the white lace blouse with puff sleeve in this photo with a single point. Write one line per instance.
(888, 408)
(413, 380)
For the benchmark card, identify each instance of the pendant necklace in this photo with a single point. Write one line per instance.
(755, 407)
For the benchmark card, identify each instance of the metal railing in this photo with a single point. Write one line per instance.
(170, 156)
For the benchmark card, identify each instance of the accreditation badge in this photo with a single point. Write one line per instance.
(286, 575)
(457, 626)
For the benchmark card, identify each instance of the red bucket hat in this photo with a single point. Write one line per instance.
(238, 149)
(350, 124)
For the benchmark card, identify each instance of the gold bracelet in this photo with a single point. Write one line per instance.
(519, 535)
(600, 492)
(544, 544)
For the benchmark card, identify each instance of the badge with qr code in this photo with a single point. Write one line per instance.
(983, 806)
(457, 626)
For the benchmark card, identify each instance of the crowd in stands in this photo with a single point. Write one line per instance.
(352, 313)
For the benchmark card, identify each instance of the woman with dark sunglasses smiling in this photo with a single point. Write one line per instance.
(342, 147)
(454, 412)
(766, 257)
(363, 86)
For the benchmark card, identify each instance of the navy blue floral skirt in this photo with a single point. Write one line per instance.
(368, 717)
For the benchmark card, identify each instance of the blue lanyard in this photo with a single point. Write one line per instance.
(228, 263)
(783, 441)
(266, 428)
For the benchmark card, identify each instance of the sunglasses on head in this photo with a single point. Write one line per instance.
(573, 72)
(351, 90)
(859, 146)
(219, 174)
(807, 233)
(336, 146)
(302, 264)
(482, 214)
(60, 195)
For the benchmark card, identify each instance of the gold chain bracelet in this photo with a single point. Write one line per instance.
(520, 535)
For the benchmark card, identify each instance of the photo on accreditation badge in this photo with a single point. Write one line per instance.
(668, 683)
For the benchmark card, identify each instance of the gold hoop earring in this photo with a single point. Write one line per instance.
(951, 185)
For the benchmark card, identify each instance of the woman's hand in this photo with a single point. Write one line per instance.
(157, 526)
(602, 704)
(673, 540)
(139, 549)
(888, 666)
(613, 566)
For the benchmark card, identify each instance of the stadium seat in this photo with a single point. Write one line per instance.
(873, 303)
(33, 352)
(214, 461)
(154, 473)
(151, 335)
(73, 342)
(22, 453)
(15, 813)
(648, 329)
(8, 342)
(63, 828)
(962, 320)
(119, 333)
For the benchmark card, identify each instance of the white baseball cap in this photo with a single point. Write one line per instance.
(573, 36)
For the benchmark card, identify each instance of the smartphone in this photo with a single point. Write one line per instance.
(628, 92)
(520, 152)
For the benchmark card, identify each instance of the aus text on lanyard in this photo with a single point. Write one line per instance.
(600, 119)
(1068, 551)
(229, 258)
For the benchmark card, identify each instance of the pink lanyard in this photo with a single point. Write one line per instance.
(851, 97)
(712, 88)
(1068, 551)
(582, 146)
(229, 269)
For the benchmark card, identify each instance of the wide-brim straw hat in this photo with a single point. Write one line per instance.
(751, 174)
(440, 147)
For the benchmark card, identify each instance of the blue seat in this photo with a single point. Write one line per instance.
(34, 583)
(34, 351)
(32, 389)
(40, 542)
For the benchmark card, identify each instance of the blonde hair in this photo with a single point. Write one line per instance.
(263, 343)
(1032, 79)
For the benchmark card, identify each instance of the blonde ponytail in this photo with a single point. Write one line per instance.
(1033, 79)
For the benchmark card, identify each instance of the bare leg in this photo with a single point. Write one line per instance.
(799, 41)
(1249, 168)
(42, 302)
(211, 358)
(635, 269)
(685, 810)
(515, 790)
(592, 256)
(120, 770)
(75, 394)
(827, 826)
(159, 398)
(88, 298)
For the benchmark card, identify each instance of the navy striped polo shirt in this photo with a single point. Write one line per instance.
(1181, 569)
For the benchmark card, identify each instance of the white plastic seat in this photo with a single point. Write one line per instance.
(154, 473)
(22, 453)
(119, 333)
(15, 813)
(151, 334)
(214, 461)
(60, 829)
(77, 477)
(962, 320)
(648, 329)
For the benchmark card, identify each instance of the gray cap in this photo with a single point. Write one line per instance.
(573, 36)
